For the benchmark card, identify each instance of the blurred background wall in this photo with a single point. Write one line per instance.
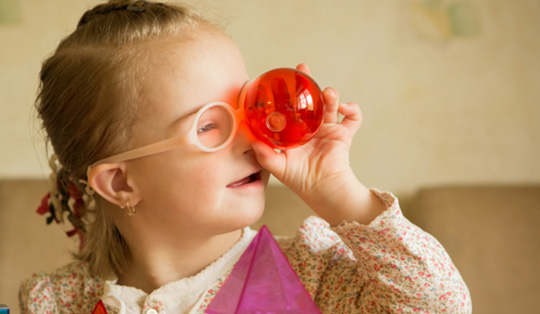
(450, 89)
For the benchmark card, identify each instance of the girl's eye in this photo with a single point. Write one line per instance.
(207, 127)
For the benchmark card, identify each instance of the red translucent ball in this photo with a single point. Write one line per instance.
(283, 108)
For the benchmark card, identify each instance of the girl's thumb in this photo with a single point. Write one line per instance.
(267, 157)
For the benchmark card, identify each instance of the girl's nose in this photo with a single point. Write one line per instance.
(244, 138)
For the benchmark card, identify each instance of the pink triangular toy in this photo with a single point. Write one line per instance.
(262, 281)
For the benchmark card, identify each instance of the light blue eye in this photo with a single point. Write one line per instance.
(207, 127)
(214, 126)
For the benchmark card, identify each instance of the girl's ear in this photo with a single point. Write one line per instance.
(110, 180)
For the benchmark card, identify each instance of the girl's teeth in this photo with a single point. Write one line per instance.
(241, 182)
(246, 180)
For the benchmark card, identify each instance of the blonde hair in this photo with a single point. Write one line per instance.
(89, 97)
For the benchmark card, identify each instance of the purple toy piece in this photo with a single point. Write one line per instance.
(262, 282)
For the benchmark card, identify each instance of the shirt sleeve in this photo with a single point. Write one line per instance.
(67, 290)
(36, 295)
(388, 266)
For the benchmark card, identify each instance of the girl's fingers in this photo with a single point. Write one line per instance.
(331, 100)
(267, 157)
(351, 111)
(302, 67)
(352, 116)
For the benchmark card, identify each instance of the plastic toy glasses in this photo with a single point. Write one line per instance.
(283, 108)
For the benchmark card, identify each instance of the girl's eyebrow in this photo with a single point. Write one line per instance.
(184, 117)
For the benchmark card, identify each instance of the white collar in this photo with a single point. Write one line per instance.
(177, 296)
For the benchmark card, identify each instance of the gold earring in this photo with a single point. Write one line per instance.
(130, 209)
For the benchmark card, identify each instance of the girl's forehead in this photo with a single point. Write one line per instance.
(199, 71)
(186, 74)
(198, 56)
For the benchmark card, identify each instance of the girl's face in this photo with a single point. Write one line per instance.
(186, 190)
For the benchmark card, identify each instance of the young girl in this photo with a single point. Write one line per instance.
(161, 230)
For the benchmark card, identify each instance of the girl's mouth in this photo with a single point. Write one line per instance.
(247, 180)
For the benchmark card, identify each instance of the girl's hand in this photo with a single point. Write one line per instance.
(319, 171)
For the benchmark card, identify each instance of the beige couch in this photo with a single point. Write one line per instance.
(491, 232)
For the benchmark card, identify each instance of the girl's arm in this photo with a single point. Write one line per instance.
(404, 268)
(388, 266)
(398, 266)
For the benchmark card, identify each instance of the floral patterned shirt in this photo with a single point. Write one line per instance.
(388, 266)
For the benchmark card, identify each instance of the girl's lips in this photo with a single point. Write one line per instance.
(247, 180)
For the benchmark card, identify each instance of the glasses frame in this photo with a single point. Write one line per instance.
(188, 139)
